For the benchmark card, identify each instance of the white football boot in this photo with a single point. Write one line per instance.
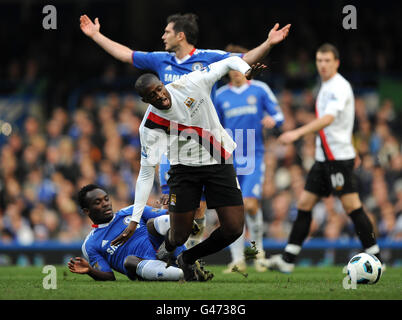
(260, 262)
(234, 266)
(275, 262)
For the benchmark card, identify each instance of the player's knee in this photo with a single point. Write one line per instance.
(251, 206)
(233, 232)
(180, 239)
(151, 227)
(130, 264)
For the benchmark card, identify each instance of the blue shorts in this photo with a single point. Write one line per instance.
(164, 167)
(251, 183)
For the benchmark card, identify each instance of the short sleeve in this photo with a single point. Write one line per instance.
(335, 103)
(148, 60)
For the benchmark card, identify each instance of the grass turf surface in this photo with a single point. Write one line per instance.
(305, 283)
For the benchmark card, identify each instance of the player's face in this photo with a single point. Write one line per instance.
(157, 95)
(170, 38)
(100, 207)
(237, 78)
(327, 65)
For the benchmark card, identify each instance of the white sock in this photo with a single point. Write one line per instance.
(156, 270)
(162, 224)
(237, 248)
(255, 227)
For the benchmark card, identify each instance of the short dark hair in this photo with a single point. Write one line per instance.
(186, 23)
(82, 194)
(327, 47)
(234, 48)
(144, 81)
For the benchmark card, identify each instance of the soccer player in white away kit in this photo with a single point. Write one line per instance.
(332, 171)
(183, 121)
(181, 56)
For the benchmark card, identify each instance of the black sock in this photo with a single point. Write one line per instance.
(299, 233)
(214, 243)
(364, 230)
(169, 247)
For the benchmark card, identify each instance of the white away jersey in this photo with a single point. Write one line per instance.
(190, 130)
(335, 141)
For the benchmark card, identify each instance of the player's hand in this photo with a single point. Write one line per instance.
(289, 137)
(88, 27)
(357, 162)
(78, 265)
(275, 36)
(125, 235)
(163, 201)
(255, 70)
(268, 122)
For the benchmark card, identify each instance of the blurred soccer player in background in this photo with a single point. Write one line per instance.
(335, 156)
(248, 106)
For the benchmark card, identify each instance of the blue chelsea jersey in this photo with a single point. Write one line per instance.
(105, 257)
(243, 108)
(169, 68)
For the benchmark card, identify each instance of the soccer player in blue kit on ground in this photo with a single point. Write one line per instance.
(137, 257)
(245, 108)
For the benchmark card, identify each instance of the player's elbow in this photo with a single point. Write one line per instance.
(127, 57)
(105, 276)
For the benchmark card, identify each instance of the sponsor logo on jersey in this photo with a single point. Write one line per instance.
(169, 67)
(241, 111)
(169, 77)
(189, 102)
(104, 243)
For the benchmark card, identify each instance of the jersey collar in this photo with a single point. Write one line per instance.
(240, 89)
(186, 57)
(103, 225)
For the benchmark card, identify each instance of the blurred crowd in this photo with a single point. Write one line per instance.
(46, 162)
(93, 137)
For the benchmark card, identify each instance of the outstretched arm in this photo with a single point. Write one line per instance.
(117, 50)
(274, 37)
(313, 126)
(81, 266)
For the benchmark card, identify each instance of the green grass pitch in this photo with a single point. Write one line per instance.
(305, 283)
